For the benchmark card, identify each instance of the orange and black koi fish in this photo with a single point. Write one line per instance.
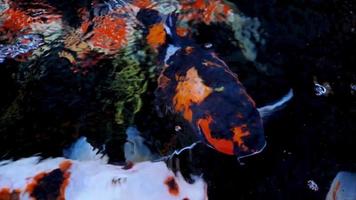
(200, 87)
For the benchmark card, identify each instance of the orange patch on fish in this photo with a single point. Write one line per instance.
(35, 180)
(172, 185)
(336, 190)
(189, 50)
(64, 186)
(156, 35)
(223, 145)
(182, 31)
(64, 167)
(189, 90)
(7, 194)
(239, 133)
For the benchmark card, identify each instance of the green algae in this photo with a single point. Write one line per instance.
(129, 83)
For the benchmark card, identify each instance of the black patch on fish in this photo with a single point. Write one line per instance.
(49, 186)
(148, 17)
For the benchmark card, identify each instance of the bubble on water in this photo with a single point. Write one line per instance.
(319, 89)
(312, 185)
(353, 88)
(208, 45)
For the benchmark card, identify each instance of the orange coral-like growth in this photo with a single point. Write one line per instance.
(16, 20)
(205, 11)
(142, 3)
(109, 33)
(84, 26)
(156, 35)
(190, 89)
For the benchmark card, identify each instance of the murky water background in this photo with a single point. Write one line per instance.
(71, 69)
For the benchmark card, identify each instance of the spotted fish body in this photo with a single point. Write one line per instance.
(59, 178)
(86, 174)
(200, 87)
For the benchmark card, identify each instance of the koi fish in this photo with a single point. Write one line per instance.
(90, 177)
(200, 87)
(60, 178)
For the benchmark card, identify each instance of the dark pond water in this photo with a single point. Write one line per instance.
(77, 84)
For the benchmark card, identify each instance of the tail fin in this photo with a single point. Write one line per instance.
(268, 110)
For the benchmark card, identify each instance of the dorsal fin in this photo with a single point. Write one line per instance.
(170, 27)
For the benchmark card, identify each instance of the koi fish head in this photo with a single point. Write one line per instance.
(161, 33)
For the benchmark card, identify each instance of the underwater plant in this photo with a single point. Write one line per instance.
(129, 84)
